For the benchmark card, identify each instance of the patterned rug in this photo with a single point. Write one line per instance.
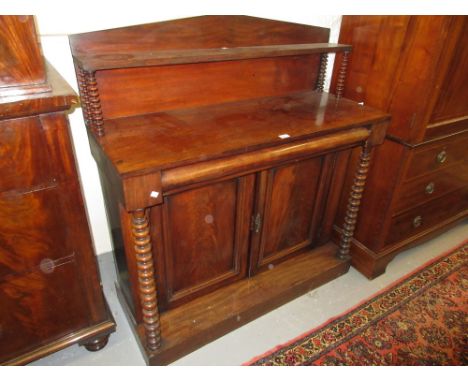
(421, 319)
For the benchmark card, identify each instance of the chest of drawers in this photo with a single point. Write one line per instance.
(50, 293)
(414, 67)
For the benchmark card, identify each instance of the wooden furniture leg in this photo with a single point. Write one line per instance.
(354, 202)
(97, 344)
(146, 282)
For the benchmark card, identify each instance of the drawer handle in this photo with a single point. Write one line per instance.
(47, 266)
(430, 188)
(417, 221)
(442, 156)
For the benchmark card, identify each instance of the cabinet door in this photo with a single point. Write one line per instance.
(286, 211)
(205, 239)
(452, 100)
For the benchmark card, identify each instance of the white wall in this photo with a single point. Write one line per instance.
(54, 26)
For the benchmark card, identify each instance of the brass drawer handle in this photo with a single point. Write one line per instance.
(47, 265)
(442, 156)
(417, 221)
(256, 223)
(430, 188)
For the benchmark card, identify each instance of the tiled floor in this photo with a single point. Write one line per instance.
(279, 326)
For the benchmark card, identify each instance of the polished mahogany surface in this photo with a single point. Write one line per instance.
(21, 65)
(170, 139)
(452, 100)
(135, 91)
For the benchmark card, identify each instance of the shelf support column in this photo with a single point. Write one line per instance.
(322, 71)
(90, 94)
(146, 279)
(354, 202)
(342, 75)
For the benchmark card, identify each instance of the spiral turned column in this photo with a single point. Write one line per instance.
(146, 280)
(322, 71)
(94, 111)
(342, 75)
(354, 202)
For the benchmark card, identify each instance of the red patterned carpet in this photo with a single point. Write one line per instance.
(419, 320)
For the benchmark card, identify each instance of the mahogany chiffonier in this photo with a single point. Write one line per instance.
(50, 293)
(416, 69)
(222, 162)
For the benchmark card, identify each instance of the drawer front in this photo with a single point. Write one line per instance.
(24, 161)
(432, 186)
(38, 307)
(427, 215)
(438, 155)
(32, 230)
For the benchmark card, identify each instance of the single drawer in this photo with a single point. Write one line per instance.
(431, 186)
(33, 232)
(24, 159)
(39, 307)
(438, 155)
(427, 215)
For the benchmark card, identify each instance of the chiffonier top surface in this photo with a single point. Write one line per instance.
(179, 137)
(197, 39)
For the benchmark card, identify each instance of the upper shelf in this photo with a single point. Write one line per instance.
(132, 59)
(198, 39)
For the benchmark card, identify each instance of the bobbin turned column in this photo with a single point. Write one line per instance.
(146, 281)
(354, 202)
(92, 108)
(340, 82)
(85, 106)
(322, 72)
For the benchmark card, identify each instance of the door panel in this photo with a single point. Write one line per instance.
(206, 238)
(286, 201)
(452, 101)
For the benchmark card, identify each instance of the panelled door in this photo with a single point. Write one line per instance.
(218, 233)
(205, 240)
(286, 212)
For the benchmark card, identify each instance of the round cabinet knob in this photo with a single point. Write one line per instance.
(441, 157)
(430, 188)
(417, 221)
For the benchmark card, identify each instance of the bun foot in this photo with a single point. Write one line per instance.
(97, 343)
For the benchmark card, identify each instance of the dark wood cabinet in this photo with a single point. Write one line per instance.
(222, 162)
(414, 67)
(50, 294)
